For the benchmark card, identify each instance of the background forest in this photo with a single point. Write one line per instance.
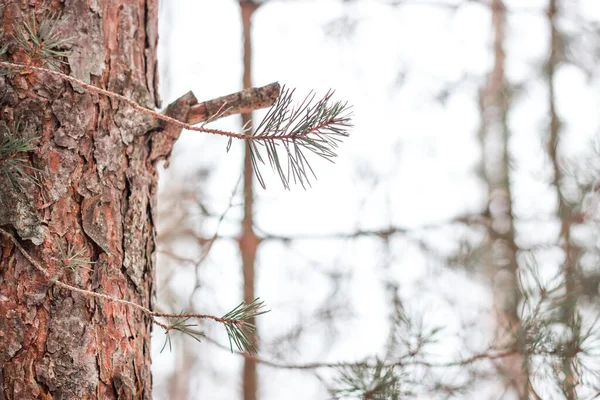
(451, 252)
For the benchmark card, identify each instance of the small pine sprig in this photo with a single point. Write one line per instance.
(313, 127)
(13, 165)
(180, 324)
(42, 41)
(71, 258)
(374, 383)
(237, 325)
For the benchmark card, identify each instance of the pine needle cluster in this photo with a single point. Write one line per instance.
(71, 258)
(369, 383)
(14, 165)
(238, 326)
(288, 132)
(43, 41)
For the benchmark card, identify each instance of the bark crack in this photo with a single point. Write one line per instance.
(146, 46)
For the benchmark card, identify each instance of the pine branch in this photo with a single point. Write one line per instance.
(316, 128)
(235, 322)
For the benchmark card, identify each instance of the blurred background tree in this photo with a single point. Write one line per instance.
(452, 253)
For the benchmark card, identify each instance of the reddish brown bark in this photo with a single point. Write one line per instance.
(97, 195)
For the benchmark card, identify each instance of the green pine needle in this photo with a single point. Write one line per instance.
(179, 324)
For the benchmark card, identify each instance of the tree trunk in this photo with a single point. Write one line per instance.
(248, 241)
(565, 212)
(495, 108)
(90, 219)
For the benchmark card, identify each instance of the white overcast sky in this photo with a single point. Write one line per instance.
(424, 153)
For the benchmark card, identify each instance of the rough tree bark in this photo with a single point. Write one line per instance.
(97, 191)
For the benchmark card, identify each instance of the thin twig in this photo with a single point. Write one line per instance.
(405, 360)
(467, 219)
(455, 6)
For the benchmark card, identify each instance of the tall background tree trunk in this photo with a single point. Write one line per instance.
(565, 212)
(96, 196)
(495, 139)
(248, 240)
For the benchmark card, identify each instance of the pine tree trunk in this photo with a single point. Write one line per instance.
(95, 202)
(565, 212)
(495, 111)
(248, 240)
